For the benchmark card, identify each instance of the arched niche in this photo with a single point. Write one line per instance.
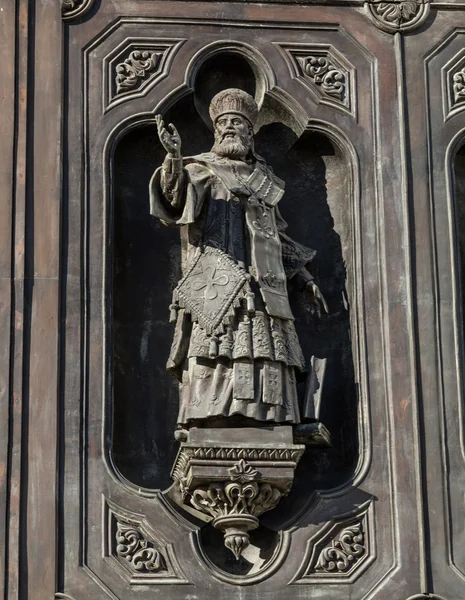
(146, 267)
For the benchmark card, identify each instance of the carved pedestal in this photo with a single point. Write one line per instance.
(233, 480)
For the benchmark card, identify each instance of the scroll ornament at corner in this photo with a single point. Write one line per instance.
(139, 553)
(398, 16)
(135, 69)
(74, 9)
(331, 78)
(343, 552)
(328, 75)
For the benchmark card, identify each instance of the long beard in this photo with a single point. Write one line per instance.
(237, 147)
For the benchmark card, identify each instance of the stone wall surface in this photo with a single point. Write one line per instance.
(361, 114)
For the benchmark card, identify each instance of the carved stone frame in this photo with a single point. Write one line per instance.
(54, 451)
(371, 215)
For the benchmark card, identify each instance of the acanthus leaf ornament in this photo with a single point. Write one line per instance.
(325, 74)
(133, 70)
(235, 508)
(233, 482)
(74, 9)
(242, 472)
(343, 551)
(398, 15)
(397, 12)
(137, 551)
(325, 71)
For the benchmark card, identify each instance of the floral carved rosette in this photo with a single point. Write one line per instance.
(73, 9)
(398, 16)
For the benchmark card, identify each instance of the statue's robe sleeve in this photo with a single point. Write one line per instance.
(177, 195)
(177, 192)
(295, 256)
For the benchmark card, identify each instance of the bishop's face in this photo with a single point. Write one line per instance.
(233, 136)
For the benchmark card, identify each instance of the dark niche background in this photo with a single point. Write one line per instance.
(147, 268)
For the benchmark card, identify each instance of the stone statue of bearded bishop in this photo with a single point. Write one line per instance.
(235, 350)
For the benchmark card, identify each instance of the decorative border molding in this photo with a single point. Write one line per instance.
(447, 395)
(341, 550)
(353, 185)
(74, 9)
(396, 16)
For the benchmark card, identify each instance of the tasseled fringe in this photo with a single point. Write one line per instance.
(250, 303)
(213, 350)
(174, 312)
(227, 342)
(224, 318)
